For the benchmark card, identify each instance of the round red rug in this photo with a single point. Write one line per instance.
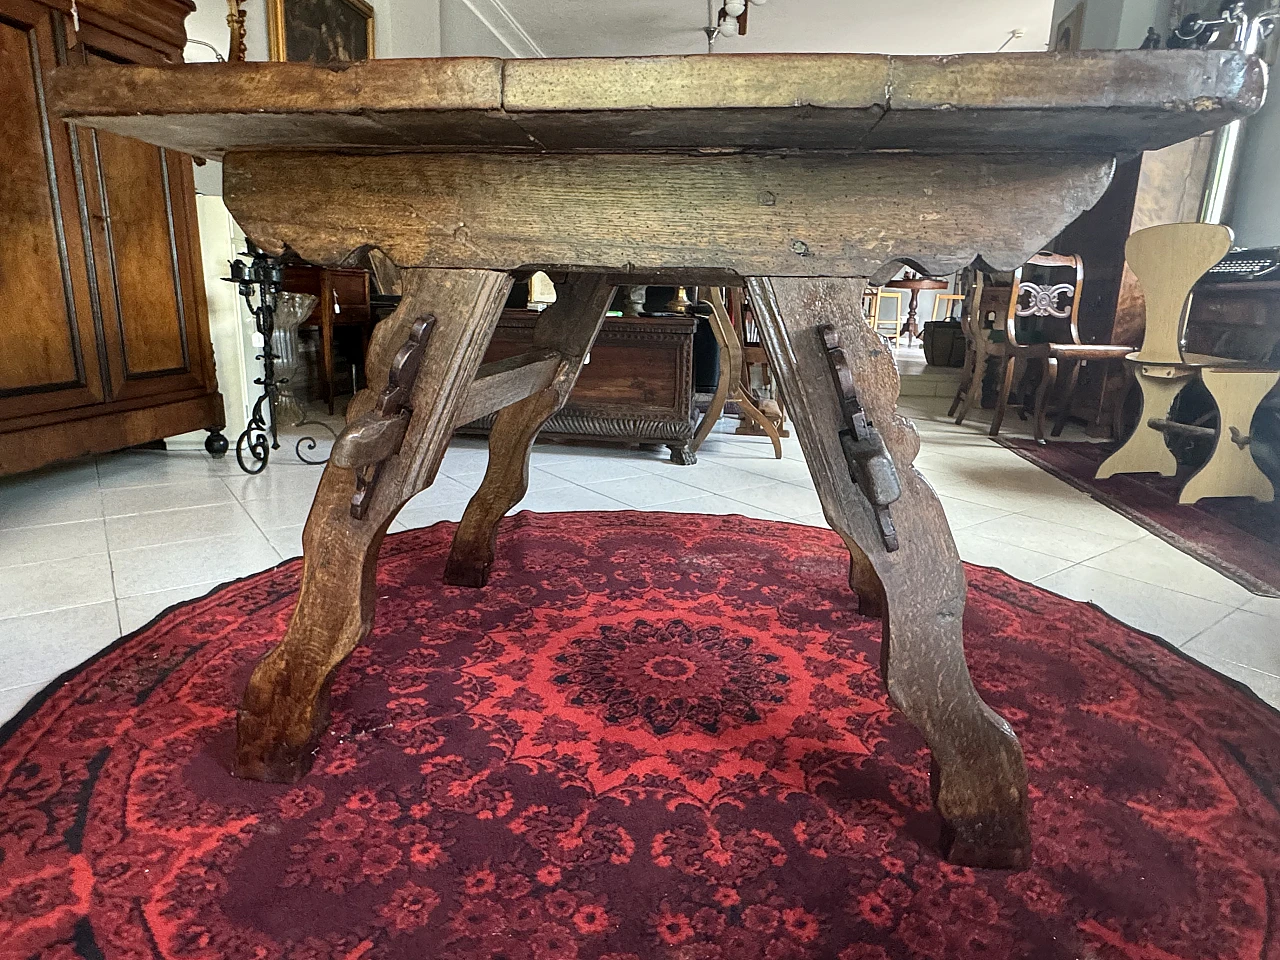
(652, 736)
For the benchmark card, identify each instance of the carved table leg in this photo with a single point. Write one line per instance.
(979, 777)
(569, 327)
(285, 706)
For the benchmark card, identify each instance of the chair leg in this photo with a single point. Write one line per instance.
(979, 776)
(753, 413)
(1009, 366)
(1042, 397)
(730, 363)
(974, 389)
(285, 706)
(569, 326)
(1068, 397)
(965, 376)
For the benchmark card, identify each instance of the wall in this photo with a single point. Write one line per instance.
(1116, 24)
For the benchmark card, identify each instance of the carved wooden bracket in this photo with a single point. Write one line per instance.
(868, 459)
(370, 440)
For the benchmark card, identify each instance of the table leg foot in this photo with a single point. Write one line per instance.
(682, 454)
(569, 326)
(915, 584)
(285, 707)
(505, 483)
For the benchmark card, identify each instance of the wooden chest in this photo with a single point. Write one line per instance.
(637, 386)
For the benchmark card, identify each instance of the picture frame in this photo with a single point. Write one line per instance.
(1066, 34)
(320, 31)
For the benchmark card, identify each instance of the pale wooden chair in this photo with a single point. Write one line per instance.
(1168, 260)
(875, 300)
(946, 301)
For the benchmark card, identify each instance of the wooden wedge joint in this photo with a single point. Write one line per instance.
(867, 457)
(370, 440)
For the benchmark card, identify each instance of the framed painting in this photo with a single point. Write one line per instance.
(1066, 35)
(320, 31)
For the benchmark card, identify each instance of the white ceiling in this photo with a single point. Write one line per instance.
(576, 28)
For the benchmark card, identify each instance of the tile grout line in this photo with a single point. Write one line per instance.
(254, 520)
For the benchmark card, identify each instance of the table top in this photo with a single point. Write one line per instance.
(918, 283)
(1093, 103)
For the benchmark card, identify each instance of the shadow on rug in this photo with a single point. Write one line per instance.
(652, 736)
(1237, 536)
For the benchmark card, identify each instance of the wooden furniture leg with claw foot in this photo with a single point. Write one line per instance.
(566, 329)
(285, 706)
(979, 777)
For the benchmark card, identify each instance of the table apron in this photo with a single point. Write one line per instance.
(844, 215)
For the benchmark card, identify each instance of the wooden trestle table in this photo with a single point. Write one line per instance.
(799, 176)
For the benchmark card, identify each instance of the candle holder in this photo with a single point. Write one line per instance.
(259, 282)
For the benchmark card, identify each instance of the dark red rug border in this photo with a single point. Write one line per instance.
(11, 726)
(1247, 580)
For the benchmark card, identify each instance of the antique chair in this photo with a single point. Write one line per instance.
(946, 303)
(873, 304)
(1047, 311)
(1168, 260)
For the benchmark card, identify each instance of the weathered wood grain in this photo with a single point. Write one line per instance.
(504, 382)
(988, 103)
(568, 327)
(285, 706)
(979, 779)
(749, 215)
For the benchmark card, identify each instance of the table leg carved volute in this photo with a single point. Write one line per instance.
(465, 171)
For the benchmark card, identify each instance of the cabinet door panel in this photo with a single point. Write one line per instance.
(147, 290)
(138, 225)
(48, 354)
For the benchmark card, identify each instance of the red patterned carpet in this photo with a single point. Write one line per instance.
(652, 736)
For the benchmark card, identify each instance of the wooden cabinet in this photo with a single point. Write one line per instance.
(636, 388)
(104, 339)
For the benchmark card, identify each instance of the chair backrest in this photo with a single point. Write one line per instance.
(1053, 296)
(1168, 260)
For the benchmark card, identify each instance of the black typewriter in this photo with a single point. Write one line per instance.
(1257, 264)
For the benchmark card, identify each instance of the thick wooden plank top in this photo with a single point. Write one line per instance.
(1081, 103)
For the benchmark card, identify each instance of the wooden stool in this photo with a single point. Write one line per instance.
(466, 170)
(1168, 260)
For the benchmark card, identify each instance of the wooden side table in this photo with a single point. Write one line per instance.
(915, 285)
(463, 171)
(342, 298)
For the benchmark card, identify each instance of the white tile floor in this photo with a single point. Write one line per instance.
(95, 549)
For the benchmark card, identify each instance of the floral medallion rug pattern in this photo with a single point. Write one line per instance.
(651, 736)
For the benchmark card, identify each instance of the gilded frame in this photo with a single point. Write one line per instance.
(276, 34)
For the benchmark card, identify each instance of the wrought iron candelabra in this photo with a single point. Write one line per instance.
(259, 282)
